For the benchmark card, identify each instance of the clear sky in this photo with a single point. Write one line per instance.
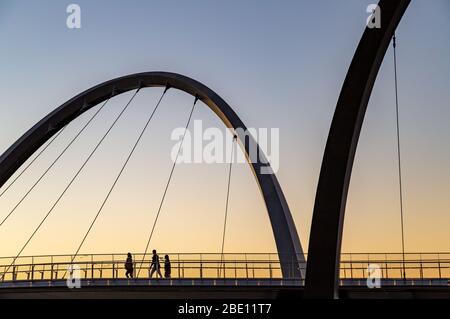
(278, 64)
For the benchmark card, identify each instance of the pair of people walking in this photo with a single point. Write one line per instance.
(155, 266)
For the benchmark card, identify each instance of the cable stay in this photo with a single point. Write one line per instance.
(72, 180)
(118, 176)
(52, 164)
(34, 159)
(222, 262)
(394, 44)
(167, 184)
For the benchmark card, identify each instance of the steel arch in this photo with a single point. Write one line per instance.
(283, 227)
(328, 217)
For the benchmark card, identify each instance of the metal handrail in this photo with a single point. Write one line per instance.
(232, 265)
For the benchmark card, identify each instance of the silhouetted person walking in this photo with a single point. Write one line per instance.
(129, 266)
(155, 266)
(167, 267)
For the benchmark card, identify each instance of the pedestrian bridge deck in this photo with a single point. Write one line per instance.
(217, 270)
(205, 282)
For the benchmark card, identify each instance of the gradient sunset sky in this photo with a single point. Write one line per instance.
(278, 64)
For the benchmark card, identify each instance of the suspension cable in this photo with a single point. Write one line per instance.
(118, 176)
(34, 159)
(53, 163)
(394, 43)
(72, 180)
(222, 262)
(167, 185)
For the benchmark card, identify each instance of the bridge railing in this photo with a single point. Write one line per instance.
(214, 266)
(101, 266)
(396, 265)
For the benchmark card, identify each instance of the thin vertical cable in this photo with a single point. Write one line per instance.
(399, 154)
(222, 262)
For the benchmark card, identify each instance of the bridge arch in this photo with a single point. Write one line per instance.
(324, 249)
(283, 227)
